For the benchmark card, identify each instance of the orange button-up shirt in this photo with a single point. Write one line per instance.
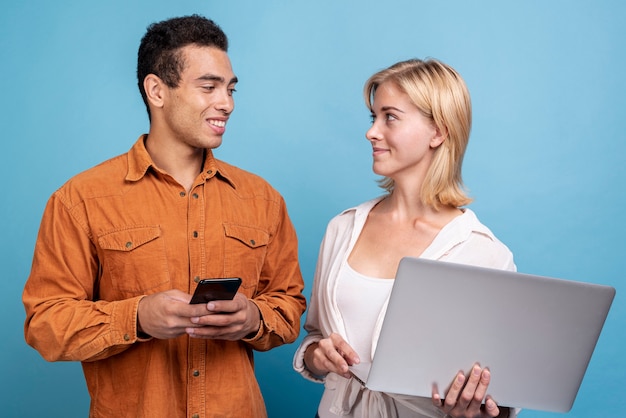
(125, 229)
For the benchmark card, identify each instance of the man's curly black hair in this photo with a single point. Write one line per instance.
(160, 48)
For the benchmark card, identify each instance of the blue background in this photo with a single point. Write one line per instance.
(545, 164)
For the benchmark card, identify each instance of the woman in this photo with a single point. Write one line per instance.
(421, 118)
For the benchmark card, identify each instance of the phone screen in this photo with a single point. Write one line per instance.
(216, 289)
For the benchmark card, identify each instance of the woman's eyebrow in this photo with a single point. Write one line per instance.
(387, 108)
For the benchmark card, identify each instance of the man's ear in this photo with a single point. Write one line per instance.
(441, 134)
(155, 90)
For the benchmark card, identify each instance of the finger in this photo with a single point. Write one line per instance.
(221, 312)
(468, 393)
(436, 397)
(238, 303)
(345, 350)
(321, 362)
(219, 320)
(481, 389)
(333, 357)
(218, 333)
(195, 311)
(491, 407)
(225, 326)
(475, 391)
(164, 315)
(453, 394)
(332, 352)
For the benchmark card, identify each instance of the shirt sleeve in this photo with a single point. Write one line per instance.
(313, 325)
(313, 335)
(483, 251)
(279, 296)
(64, 319)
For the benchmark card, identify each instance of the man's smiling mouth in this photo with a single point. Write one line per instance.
(218, 123)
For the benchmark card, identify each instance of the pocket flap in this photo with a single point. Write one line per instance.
(128, 239)
(252, 237)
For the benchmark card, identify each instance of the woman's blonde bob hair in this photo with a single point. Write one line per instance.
(441, 95)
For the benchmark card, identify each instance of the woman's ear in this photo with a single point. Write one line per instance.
(155, 90)
(441, 134)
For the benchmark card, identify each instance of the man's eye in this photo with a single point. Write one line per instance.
(231, 91)
(208, 88)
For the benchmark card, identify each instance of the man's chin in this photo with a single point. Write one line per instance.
(212, 143)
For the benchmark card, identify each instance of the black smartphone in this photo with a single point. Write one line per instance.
(216, 289)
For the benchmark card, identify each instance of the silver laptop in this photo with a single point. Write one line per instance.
(536, 334)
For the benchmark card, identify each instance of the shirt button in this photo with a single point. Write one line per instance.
(209, 172)
(126, 337)
(129, 244)
(195, 195)
(252, 242)
(183, 194)
(196, 279)
(195, 416)
(196, 373)
(195, 234)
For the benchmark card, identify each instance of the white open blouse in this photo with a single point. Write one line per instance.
(463, 240)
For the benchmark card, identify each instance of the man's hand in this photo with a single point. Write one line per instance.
(226, 319)
(167, 314)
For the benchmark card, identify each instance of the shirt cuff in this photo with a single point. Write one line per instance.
(139, 335)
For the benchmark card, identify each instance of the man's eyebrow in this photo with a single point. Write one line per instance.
(219, 79)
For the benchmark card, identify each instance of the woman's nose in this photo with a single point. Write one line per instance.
(372, 133)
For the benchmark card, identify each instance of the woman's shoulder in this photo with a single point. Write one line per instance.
(349, 219)
(469, 223)
(360, 209)
(355, 212)
(478, 245)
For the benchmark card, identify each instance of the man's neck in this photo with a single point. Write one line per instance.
(180, 161)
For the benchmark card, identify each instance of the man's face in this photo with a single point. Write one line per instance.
(196, 112)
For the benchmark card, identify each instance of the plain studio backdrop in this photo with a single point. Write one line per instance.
(546, 163)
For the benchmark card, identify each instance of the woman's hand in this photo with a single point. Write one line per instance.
(466, 396)
(332, 354)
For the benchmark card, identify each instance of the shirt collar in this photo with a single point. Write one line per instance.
(455, 232)
(139, 161)
(215, 168)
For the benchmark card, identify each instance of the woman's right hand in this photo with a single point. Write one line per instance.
(332, 354)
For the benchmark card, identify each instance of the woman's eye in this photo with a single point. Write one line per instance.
(390, 117)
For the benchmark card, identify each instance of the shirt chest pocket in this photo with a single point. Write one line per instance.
(133, 262)
(245, 253)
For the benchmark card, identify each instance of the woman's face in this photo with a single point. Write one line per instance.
(403, 139)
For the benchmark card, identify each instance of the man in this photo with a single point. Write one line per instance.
(122, 246)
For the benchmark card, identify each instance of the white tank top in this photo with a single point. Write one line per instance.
(360, 299)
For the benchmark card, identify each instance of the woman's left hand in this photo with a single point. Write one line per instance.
(467, 397)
